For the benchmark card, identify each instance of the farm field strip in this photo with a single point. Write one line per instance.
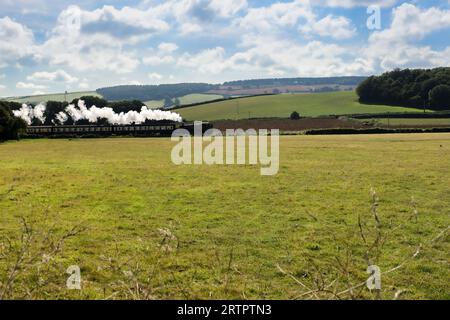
(281, 106)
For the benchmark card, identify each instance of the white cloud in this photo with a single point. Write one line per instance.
(296, 14)
(16, 41)
(125, 24)
(84, 84)
(331, 26)
(2, 86)
(280, 14)
(412, 23)
(271, 56)
(167, 47)
(29, 85)
(157, 60)
(155, 76)
(38, 93)
(396, 46)
(207, 61)
(135, 83)
(68, 45)
(355, 3)
(56, 76)
(228, 8)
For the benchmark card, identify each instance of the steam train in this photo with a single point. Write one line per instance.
(153, 129)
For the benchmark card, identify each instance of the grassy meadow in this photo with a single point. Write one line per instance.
(53, 97)
(308, 105)
(187, 99)
(142, 228)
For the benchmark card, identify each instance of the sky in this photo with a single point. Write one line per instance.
(51, 46)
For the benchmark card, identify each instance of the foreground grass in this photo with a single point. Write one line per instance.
(154, 230)
(308, 105)
(53, 97)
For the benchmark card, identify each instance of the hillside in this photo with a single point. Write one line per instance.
(185, 100)
(59, 97)
(308, 105)
(233, 88)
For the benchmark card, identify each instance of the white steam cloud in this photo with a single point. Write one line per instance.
(94, 114)
(28, 113)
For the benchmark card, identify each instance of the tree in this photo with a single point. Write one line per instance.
(295, 115)
(168, 102)
(10, 126)
(440, 97)
(52, 109)
(177, 102)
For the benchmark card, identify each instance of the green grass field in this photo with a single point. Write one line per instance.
(199, 97)
(153, 230)
(53, 97)
(308, 105)
(188, 99)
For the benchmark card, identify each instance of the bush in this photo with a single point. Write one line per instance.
(295, 115)
(440, 97)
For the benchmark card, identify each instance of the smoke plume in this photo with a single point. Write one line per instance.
(94, 114)
(28, 113)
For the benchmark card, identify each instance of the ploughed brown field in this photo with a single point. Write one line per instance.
(289, 125)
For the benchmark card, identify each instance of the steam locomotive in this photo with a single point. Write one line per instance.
(153, 129)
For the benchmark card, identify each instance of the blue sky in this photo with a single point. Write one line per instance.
(51, 46)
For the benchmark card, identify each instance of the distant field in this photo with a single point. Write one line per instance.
(188, 99)
(154, 104)
(414, 122)
(52, 97)
(153, 230)
(198, 97)
(308, 105)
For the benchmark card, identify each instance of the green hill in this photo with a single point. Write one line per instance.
(309, 105)
(187, 99)
(52, 97)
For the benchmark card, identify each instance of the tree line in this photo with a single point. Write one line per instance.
(166, 92)
(344, 81)
(416, 88)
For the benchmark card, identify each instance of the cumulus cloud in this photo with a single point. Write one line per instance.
(29, 85)
(355, 3)
(167, 47)
(84, 85)
(228, 8)
(211, 61)
(16, 41)
(155, 76)
(56, 76)
(397, 46)
(269, 56)
(124, 24)
(271, 38)
(157, 60)
(279, 14)
(331, 26)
